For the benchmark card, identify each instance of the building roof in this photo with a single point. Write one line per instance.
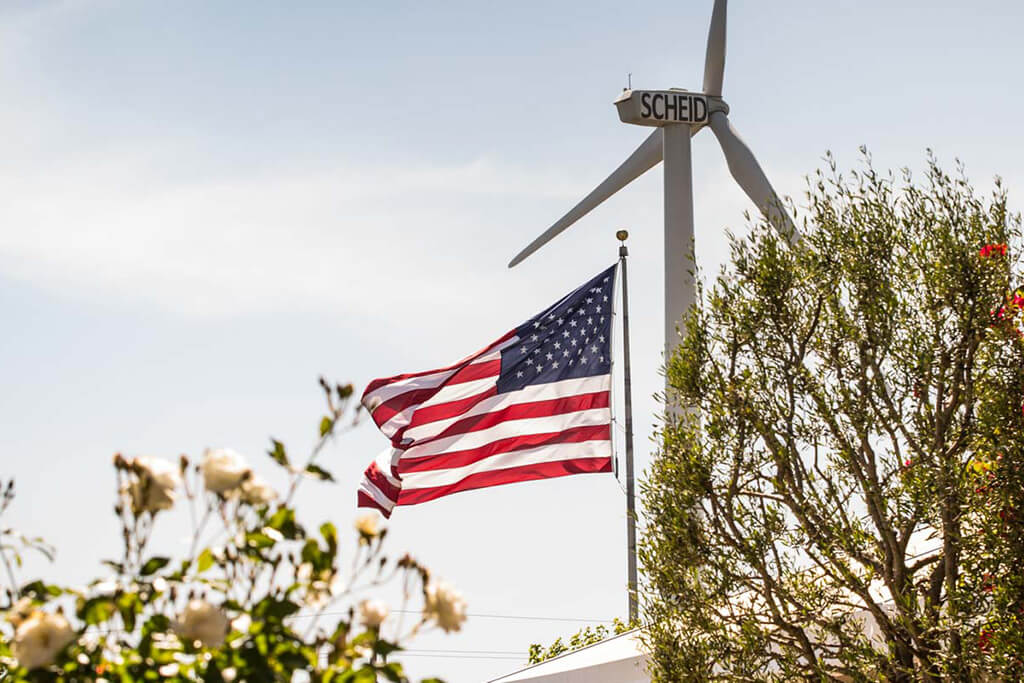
(619, 659)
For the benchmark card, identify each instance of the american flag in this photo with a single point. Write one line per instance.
(534, 404)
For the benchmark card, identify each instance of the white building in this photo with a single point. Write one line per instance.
(619, 659)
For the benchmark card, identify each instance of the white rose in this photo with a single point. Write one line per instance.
(155, 485)
(224, 470)
(256, 491)
(20, 611)
(367, 525)
(39, 638)
(445, 605)
(203, 622)
(373, 613)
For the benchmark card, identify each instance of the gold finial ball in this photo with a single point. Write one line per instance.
(621, 235)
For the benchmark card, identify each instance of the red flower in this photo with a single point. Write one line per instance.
(990, 250)
(985, 640)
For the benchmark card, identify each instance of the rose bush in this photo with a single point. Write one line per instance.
(250, 600)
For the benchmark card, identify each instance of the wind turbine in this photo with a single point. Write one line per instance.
(679, 114)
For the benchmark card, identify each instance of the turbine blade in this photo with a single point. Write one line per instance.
(714, 59)
(646, 156)
(750, 177)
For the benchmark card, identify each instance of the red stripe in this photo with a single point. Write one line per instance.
(396, 404)
(520, 411)
(544, 470)
(388, 409)
(475, 371)
(377, 478)
(378, 383)
(365, 500)
(443, 411)
(448, 459)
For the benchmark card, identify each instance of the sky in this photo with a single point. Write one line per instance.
(206, 205)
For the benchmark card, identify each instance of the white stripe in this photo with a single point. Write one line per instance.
(505, 429)
(370, 489)
(456, 392)
(401, 386)
(387, 459)
(398, 387)
(397, 421)
(531, 456)
(538, 392)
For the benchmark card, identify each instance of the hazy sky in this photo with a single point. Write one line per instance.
(204, 205)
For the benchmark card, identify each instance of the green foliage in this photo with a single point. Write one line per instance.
(850, 503)
(256, 598)
(588, 635)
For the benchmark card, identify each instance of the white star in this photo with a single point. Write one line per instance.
(566, 333)
(565, 353)
(570, 361)
(604, 280)
(573, 342)
(601, 339)
(534, 337)
(594, 349)
(602, 319)
(550, 356)
(539, 368)
(519, 373)
(573, 323)
(597, 309)
(561, 320)
(606, 298)
(536, 350)
(590, 321)
(529, 361)
(558, 345)
(536, 324)
(601, 359)
(583, 359)
(590, 300)
(555, 364)
(523, 349)
(582, 312)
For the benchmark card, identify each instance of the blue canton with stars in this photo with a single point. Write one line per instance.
(570, 339)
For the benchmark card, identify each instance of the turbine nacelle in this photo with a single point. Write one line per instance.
(666, 107)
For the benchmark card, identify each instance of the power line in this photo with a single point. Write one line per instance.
(477, 615)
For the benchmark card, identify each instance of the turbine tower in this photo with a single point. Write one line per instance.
(677, 115)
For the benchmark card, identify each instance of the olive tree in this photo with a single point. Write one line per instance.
(843, 497)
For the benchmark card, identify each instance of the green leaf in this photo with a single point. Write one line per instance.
(258, 540)
(283, 520)
(330, 534)
(311, 553)
(319, 472)
(96, 610)
(384, 648)
(278, 453)
(154, 564)
(326, 424)
(205, 560)
(272, 609)
(40, 590)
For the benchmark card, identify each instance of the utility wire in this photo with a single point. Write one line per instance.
(477, 615)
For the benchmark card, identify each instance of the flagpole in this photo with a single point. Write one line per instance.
(622, 235)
